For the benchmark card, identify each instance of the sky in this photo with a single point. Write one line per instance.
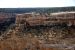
(35, 3)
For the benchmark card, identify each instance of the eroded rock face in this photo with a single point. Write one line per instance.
(33, 19)
(54, 26)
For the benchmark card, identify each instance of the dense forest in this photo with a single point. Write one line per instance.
(40, 10)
